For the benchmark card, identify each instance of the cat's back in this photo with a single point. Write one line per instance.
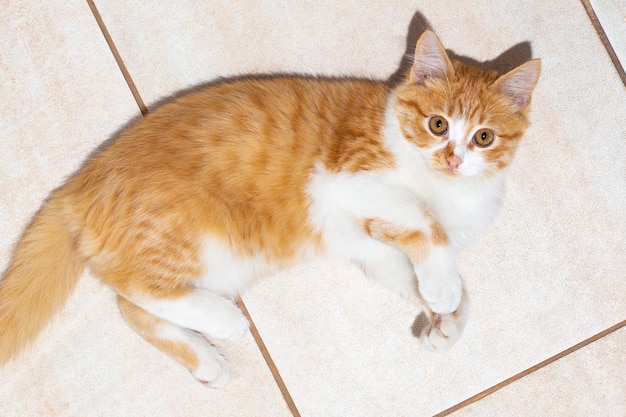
(234, 158)
(257, 125)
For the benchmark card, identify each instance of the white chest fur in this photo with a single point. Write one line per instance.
(465, 208)
(340, 201)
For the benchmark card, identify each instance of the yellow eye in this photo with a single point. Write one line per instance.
(438, 125)
(483, 137)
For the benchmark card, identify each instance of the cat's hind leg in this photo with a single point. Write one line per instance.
(184, 345)
(201, 310)
(443, 330)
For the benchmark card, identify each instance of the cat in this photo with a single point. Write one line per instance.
(244, 177)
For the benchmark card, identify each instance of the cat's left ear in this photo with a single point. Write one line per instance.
(431, 60)
(519, 83)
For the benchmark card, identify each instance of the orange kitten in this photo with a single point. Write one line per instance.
(239, 179)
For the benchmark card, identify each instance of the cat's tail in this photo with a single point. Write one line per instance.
(41, 276)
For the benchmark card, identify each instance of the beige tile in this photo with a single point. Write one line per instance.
(168, 46)
(588, 382)
(55, 108)
(548, 275)
(62, 94)
(612, 16)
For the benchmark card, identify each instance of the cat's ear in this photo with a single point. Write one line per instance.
(519, 83)
(431, 60)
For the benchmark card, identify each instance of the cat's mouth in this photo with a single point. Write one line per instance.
(447, 171)
(451, 172)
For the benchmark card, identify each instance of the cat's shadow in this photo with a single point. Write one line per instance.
(420, 324)
(509, 59)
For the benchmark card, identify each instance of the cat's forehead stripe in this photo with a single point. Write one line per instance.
(472, 111)
(459, 129)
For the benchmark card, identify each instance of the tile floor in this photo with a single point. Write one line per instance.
(546, 279)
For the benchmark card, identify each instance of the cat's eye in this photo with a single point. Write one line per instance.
(483, 137)
(438, 125)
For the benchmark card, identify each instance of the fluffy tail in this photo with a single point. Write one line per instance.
(41, 275)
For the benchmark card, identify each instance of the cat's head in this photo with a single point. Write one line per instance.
(465, 121)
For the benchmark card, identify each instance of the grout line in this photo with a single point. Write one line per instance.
(532, 369)
(269, 361)
(605, 40)
(118, 58)
(144, 111)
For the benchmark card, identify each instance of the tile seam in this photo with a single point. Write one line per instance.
(532, 369)
(604, 39)
(118, 58)
(270, 362)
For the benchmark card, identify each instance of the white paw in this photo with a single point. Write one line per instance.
(443, 331)
(443, 297)
(441, 334)
(439, 281)
(213, 369)
(231, 325)
(238, 328)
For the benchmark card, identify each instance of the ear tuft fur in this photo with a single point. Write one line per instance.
(431, 60)
(519, 83)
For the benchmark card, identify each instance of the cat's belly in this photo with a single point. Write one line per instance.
(228, 273)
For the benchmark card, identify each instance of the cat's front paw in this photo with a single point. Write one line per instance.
(439, 281)
(442, 331)
(443, 298)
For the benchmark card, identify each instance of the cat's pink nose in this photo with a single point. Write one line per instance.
(453, 161)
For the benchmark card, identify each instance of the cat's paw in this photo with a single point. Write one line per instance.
(439, 281)
(441, 334)
(442, 292)
(212, 369)
(230, 326)
(443, 299)
(442, 331)
(239, 327)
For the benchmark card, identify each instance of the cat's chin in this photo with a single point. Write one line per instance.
(464, 176)
(456, 173)
(464, 173)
